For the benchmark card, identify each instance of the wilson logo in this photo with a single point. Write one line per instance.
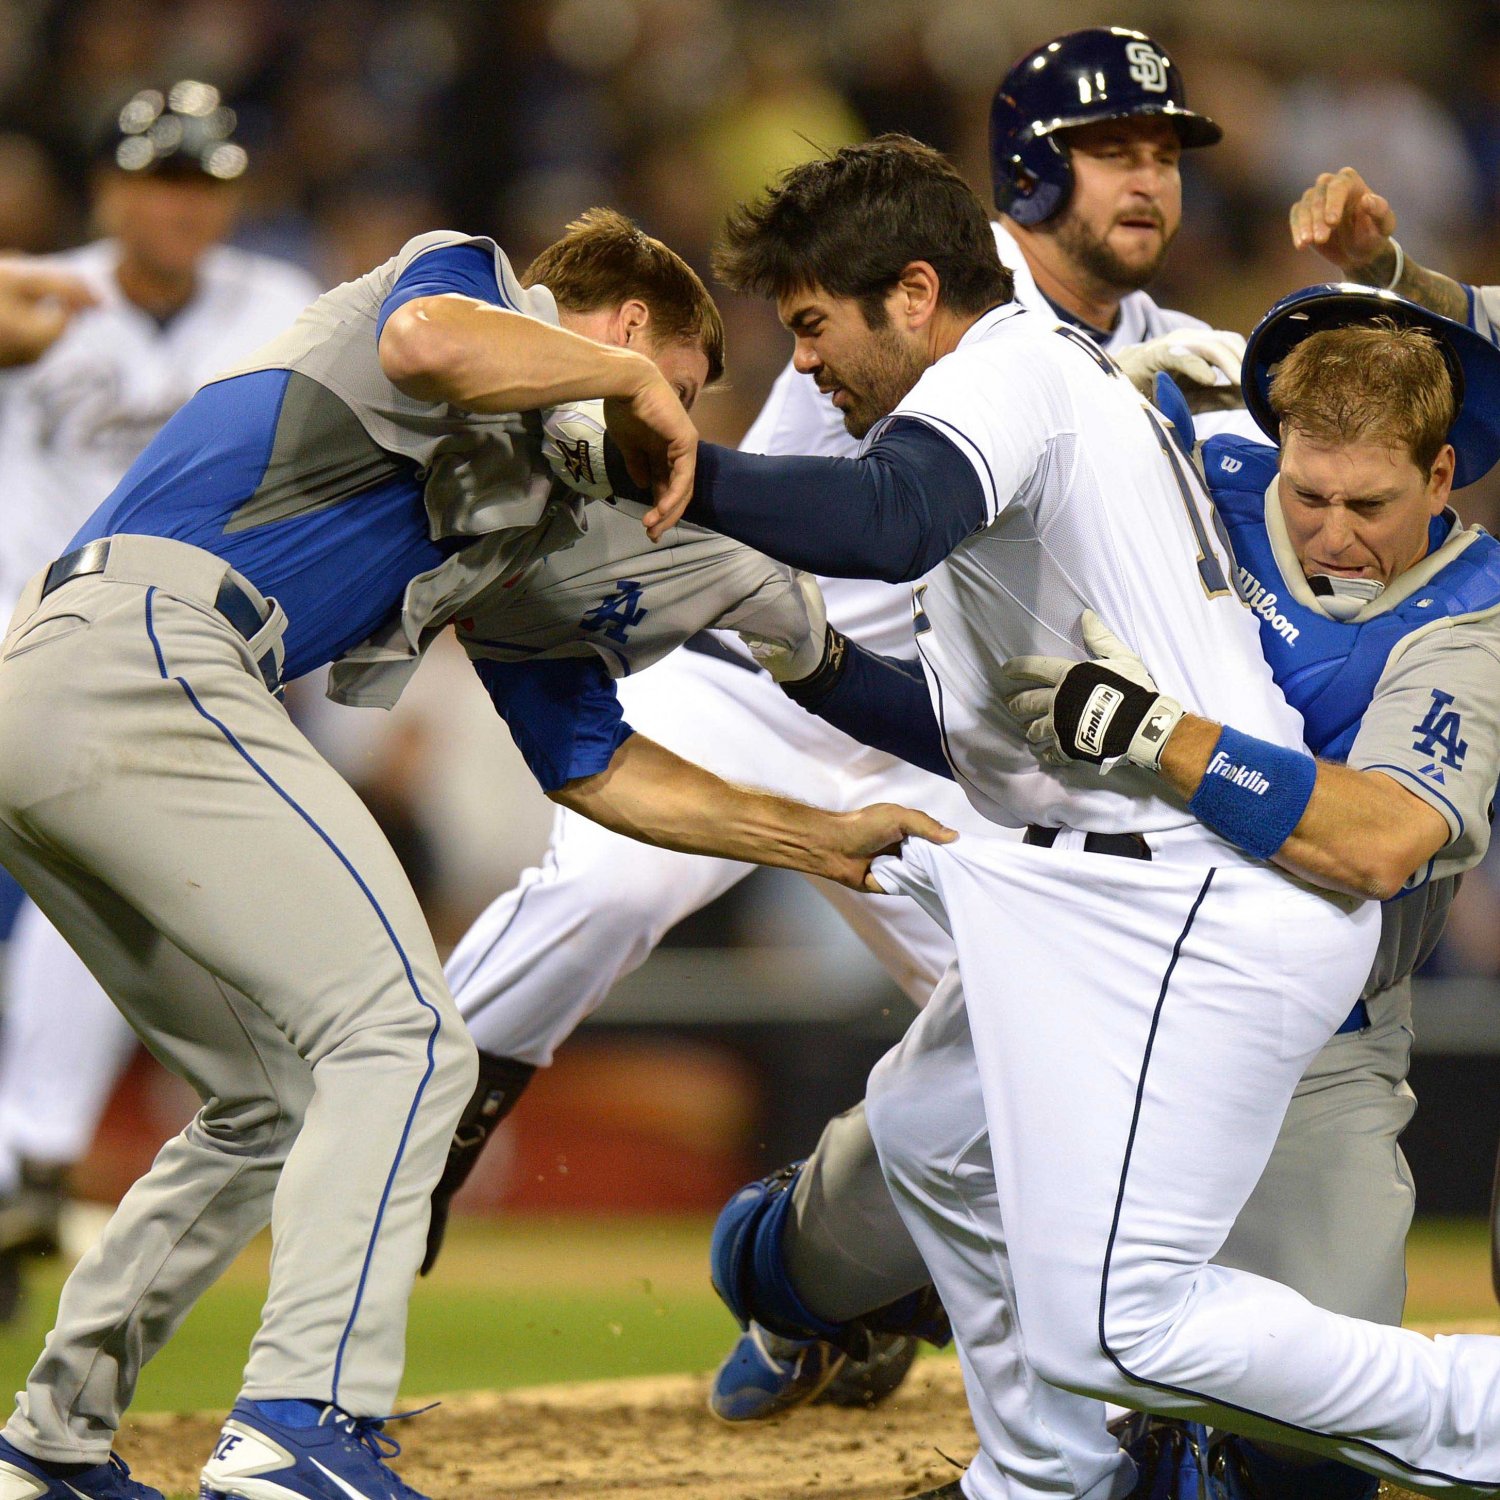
(1263, 603)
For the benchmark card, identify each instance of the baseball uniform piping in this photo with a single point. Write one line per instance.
(411, 977)
(1181, 1390)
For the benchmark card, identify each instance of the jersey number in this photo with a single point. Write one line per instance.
(1210, 568)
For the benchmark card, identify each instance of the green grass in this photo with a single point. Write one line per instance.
(513, 1303)
(529, 1302)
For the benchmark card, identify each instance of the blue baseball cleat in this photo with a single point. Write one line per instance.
(766, 1375)
(265, 1452)
(23, 1477)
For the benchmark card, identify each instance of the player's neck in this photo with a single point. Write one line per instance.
(161, 294)
(1066, 285)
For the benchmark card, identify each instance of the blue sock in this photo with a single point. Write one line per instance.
(291, 1413)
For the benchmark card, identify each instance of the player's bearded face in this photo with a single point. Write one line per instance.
(1360, 509)
(1126, 205)
(866, 368)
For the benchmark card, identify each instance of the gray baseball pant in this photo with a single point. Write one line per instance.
(242, 908)
(1329, 1217)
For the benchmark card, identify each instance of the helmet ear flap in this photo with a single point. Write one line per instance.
(1032, 174)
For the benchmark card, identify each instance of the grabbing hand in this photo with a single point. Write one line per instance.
(659, 444)
(1348, 223)
(1100, 711)
(791, 658)
(861, 836)
(36, 305)
(1199, 356)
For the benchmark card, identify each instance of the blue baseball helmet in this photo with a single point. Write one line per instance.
(1473, 362)
(1103, 73)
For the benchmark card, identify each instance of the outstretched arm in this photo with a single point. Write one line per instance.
(1350, 225)
(565, 719)
(648, 793)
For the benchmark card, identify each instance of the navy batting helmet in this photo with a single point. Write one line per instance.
(1103, 73)
(1473, 362)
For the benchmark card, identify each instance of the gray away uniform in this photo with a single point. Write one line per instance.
(227, 887)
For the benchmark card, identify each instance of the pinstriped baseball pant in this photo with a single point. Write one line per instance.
(241, 907)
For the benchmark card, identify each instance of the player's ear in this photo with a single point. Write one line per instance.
(918, 289)
(634, 319)
(1440, 481)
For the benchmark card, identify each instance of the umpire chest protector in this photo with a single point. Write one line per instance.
(1329, 669)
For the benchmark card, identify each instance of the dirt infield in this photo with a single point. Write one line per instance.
(643, 1440)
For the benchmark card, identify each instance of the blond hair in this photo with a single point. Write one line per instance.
(603, 260)
(1375, 382)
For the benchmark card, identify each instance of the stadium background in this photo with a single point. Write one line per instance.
(370, 120)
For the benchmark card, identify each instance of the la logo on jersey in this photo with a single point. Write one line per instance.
(617, 614)
(1147, 66)
(1438, 736)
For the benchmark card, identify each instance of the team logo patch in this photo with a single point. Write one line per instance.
(1147, 66)
(617, 614)
(578, 459)
(1438, 734)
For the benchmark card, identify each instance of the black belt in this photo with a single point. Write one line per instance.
(231, 601)
(1125, 845)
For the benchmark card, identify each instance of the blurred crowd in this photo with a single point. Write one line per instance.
(367, 121)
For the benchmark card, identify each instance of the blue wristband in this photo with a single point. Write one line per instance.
(1254, 792)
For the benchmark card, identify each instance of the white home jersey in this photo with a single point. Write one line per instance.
(798, 418)
(73, 422)
(1089, 505)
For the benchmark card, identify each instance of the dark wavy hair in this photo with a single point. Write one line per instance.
(850, 223)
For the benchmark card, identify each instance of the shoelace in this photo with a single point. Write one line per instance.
(370, 1434)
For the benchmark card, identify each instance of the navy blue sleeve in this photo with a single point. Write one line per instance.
(880, 701)
(894, 512)
(562, 713)
(469, 269)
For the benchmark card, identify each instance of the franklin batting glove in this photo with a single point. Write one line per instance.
(1100, 711)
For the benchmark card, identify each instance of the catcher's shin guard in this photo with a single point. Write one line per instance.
(747, 1266)
(502, 1081)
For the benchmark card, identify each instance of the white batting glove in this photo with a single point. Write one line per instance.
(1200, 356)
(1100, 711)
(573, 444)
(791, 657)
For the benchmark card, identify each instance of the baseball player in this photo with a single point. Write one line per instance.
(1129, 951)
(1085, 228)
(157, 306)
(1336, 1177)
(1330, 1214)
(1354, 227)
(339, 496)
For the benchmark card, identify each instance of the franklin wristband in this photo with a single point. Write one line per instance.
(1254, 793)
